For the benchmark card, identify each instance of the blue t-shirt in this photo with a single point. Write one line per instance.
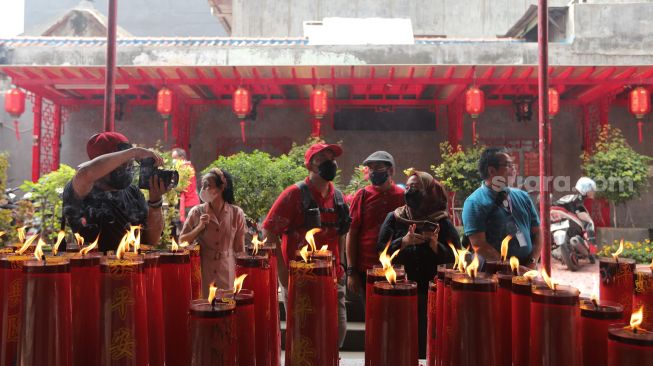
(482, 214)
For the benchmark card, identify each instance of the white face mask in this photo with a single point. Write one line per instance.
(207, 196)
(499, 184)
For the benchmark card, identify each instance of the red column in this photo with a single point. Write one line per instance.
(36, 145)
(56, 138)
(110, 91)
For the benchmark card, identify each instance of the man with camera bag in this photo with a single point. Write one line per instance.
(101, 199)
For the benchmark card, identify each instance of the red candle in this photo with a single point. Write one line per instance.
(213, 334)
(617, 282)
(374, 275)
(595, 317)
(447, 322)
(436, 358)
(123, 320)
(246, 328)
(474, 305)
(643, 296)
(85, 280)
(492, 267)
(12, 305)
(504, 318)
(394, 337)
(257, 269)
(195, 272)
(628, 348)
(520, 323)
(46, 332)
(175, 281)
(312, 321)
(554, 327)
(155, 322)
(431, 327)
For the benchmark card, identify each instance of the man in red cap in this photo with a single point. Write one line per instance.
(101, 199)
(314, 202)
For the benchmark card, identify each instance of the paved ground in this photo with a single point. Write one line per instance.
(586, 279)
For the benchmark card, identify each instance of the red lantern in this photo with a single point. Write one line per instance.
(474, 105)
(15, 106)
(554, 102)
(639, 105)
(164, 107)
(318, 103)
(242, 102)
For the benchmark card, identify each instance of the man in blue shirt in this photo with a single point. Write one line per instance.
(495, 210)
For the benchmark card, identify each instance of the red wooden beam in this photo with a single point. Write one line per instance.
(605, 73)
(87, 74)
(449, 73)
(606, 88)
(565, 74)
(458, 89)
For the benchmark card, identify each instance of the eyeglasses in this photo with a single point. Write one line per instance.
(508, 165)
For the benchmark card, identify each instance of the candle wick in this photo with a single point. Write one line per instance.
(596, 305)
(43, 258)
(514, 272)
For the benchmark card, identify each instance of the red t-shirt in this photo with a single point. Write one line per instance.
(286, 218)
(188, 198)
(367, 215)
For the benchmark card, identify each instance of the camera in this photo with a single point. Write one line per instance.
(169, 177)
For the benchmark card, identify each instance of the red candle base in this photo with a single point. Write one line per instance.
(155, 322)
(504, 319)
(175, 282)
(245, 328)
(617, 282)
(195, 272)
(643, 296)
(431, 327)
(492, 267)
(274, 327)
(213, 334)
(447, 321)
(85, 280)
(46, 333)
(520, 323)
(625, 348)
(594, 322)
(12, 305)
(257, 269)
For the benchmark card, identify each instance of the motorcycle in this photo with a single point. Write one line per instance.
(570, 242)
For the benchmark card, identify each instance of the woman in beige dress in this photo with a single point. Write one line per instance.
(218, 226)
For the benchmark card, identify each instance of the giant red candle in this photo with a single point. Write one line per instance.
(628, 345)
(46, 332)
(617, 282)
(395, 324)
(437, 354)
(595, 317)
(447, 322)
(643, 297)
(474, 335)
(554, 328)
(123, 319)
(85, 280)
(213, 333)
(520, 322)
(503, 321)
(245, 327)
(275, 326)
(12, 305)
(492, 267)
(431, 321)
(175, 281)
(257, 269)
(195, 272)
(312, 322)
(155, 323)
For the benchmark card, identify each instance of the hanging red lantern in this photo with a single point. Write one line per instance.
(639, 105)
(318, 103)
(15, 106)
(474, 105)
(242, 102)
(164, 107)
(554, 102)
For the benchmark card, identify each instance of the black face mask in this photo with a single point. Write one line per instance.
(413, 198)
(327, 170)
(378, 178)
(121, 178)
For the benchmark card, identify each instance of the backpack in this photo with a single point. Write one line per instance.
(312, 211)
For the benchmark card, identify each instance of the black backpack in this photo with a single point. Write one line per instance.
(312, 218)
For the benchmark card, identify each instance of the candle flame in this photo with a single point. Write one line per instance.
(304, 253)
(137, 242)
(60, 238)
(174, 247)
(324, 248)
(238, 283)
(310, 238)
(2, 233)
(616, 254)
(531, 274)
(79, 239)
(386, 261)
(504, 247)
(85, 251)
(390, 275)
(257, 243)
(548, 280)
(455, 255)
(472, 269)
(27, 243)
(636, 318)
(38, 251)
(514, 264)
(184, 244)
(122, 247)
(462, 260)
(21, 233)
(212, 289)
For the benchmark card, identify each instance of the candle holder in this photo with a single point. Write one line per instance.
(554, 327)
(175, 280)
(312, 314)
(155, 320)
(213, 333)
(595, 317)
(257, 269)
(195, 271)
(123, 319)
(492, 267)
(245, 324)
(13, 279)
(474, 308)
(617, 282)
(627, 347)
(643, 296)
(47, 314)
(394, 337)
(84, 278)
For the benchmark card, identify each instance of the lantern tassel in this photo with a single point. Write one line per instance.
(474, 131)
(242, 131)
(17, 130)
(317, 125)
(549, 130)
(165, 130)
(640, 124)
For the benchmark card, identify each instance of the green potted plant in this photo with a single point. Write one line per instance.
(458, 170)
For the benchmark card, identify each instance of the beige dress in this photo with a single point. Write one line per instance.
(219, 242)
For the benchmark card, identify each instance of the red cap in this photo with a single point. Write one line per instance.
(104, 143)
(316, 148)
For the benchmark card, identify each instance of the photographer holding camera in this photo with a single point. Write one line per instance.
(101, 199)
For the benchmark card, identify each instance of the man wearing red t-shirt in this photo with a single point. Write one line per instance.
(285, 221)
(369, 208)
(188, 198)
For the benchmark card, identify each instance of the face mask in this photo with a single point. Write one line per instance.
(413, 198)
(378, 178)
(121, 178)
(499, 184)
(327, 170)
(207, 196)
